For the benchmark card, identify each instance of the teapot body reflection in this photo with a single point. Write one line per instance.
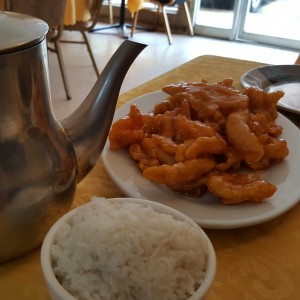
(41, 159)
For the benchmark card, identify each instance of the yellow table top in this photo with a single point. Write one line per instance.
(253, 263)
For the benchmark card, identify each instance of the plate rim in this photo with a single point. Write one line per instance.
(209, 224)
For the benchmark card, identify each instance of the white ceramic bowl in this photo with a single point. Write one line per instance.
(57, 291)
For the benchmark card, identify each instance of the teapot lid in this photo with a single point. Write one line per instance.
(19, 32)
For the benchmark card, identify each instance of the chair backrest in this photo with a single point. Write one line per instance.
(50, 11)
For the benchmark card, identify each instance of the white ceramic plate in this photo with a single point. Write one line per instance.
(277, 77)
(207, 211)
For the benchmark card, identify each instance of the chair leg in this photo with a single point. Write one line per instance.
(86, 41)
(188, 16)
(156, 18)
(135, 18)
(167, 25)
(110, 7)
(57, 49)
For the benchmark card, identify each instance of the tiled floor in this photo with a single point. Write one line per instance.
(157, 58)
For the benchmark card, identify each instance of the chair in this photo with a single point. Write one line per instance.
(83, 27)
(52, 12)
(161, 8)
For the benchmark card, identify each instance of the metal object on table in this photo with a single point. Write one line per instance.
(42, 160)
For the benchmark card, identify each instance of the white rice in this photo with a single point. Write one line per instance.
(124, 250)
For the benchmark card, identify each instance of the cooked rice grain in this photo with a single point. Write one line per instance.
(125, 250)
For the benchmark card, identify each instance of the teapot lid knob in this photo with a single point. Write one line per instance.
(19, 32)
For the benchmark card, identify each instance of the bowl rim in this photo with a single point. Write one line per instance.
(56, 288)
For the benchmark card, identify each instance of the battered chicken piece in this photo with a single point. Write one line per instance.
(200, 147)
(263, 102)
(243, 140)
(231, 160)
(179, 104)
(160, 148)
(238, 188)
(180, 172)
(128, 130)
(276, 149)
(185, 129)
(173, 89)
(180, 128)
(144, 161)
(209, 103)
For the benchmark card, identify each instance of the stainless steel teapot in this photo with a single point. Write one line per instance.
(41, 159)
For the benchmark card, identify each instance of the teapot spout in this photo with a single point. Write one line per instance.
(88, 126)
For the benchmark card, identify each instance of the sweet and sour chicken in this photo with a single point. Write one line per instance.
(206, 137)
